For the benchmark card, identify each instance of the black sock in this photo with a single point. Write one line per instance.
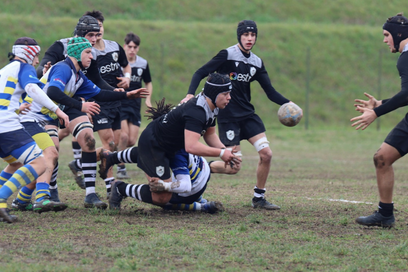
(140, 192)
(386, 209)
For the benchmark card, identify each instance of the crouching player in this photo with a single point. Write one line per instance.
(190, 175)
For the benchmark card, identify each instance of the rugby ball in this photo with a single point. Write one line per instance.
(289, 114)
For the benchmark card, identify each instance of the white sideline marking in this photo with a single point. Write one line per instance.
(340, 200)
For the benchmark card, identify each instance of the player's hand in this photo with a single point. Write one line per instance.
(63, 118)
(364, 120)
(228, 157)
(124, 82)
(371, 103)
(24, 108)
(139, 93)
(90, 107)
(185, 99)
(119, 90)
(156, 185)
(47, 66)
(236, 161)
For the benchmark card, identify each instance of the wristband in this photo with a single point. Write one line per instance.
(127, 75)
(222, 152)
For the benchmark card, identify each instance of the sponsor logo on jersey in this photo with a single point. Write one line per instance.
(60, 81)
(109, 68)
(242, 77)
(160, 170)
(102, 121)
(135, 78)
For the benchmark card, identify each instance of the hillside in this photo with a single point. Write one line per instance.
(344, 39)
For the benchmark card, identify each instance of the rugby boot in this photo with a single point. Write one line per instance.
(376, 219)
(47, 205)
(6, 217)
(262, 203)
(18, 206)
(104, 156)
(93, 201)
(77, 173)
(115, 197)
(212, 207)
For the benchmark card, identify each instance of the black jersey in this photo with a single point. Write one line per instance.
(58, 52)
(140, 72)
(110, 62)
(243, 69)
(401, 98)
(195, 115)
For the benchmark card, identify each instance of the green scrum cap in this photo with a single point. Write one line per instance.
(76, 46)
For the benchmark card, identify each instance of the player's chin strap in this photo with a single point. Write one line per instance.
(261, 144)
(80, 65)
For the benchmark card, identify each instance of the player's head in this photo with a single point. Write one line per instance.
(85, 25)
(75, 48)
(25, 48)
(397, 26)
(216, 83)
(99, 17)
(246, 26)
(131, 46)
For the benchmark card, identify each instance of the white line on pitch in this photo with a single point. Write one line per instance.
(339, 200)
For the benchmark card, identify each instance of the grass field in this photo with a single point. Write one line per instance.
(322, 179)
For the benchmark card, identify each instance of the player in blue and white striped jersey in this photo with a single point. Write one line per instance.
(17, 148)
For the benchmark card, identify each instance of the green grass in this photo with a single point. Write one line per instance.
(312, 172)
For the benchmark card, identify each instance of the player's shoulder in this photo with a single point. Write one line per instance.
(111, 45)
(140, 62)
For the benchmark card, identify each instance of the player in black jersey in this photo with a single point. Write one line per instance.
(182, 128)
(111, 59)
(88, 28)
(130, 110)
(395, 145)
(239, 121)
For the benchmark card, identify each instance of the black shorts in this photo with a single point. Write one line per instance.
(131, 114)
(107, 118)
(153, 159)
(232, 133)
(398, 137)
(72, 114)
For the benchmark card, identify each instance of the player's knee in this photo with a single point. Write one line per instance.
(265, 155)
(161, 198)
(131, 141)
(90, 141)
(379, 161)
(112, 146)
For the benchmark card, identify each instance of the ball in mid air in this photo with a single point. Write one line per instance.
(290, 114)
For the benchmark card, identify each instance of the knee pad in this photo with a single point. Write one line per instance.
(53, 132)
(80, 127)
(261, 144)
